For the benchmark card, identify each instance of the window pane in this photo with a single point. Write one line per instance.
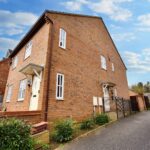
(22, 88)
(9, 93)
(57, 91)
(59, 86)
(28, 49)
(62, 38)
(60, 91)
(103, 63)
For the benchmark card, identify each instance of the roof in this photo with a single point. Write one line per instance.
(41, 21)
(71, 14)
(131, 93)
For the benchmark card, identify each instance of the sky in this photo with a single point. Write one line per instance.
(128, 22)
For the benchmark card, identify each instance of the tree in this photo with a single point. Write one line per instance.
(138, 88)
(141, 88)
(147, 87)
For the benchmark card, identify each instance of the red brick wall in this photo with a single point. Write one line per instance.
(87, 39)
(4, 69)
(28, 116)
(38, 57)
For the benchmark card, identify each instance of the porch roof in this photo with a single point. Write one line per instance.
(110, 84)
(31, 68)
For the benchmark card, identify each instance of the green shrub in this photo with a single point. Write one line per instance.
(63, 131)
(101, 119)
(15, 135)
(87, 124)
(45, 147)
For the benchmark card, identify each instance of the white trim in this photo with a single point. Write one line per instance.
(23, 88)
(113, 67)
(62, 38)
(61, 85)
(9, 93)
(14, 62)
(20, 99)
(28, 50)
(103, 63)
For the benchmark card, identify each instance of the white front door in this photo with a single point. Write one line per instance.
(35, 93)
(106, 99)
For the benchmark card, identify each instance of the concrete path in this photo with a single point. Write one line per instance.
(131, 133)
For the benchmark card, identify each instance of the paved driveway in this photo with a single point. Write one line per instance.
(132, 133)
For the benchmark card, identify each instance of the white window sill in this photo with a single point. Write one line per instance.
(59, 99)
(62, 47)
(20, 100)
(27, 57)
(104, 69)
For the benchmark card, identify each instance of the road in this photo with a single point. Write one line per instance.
(131, 133)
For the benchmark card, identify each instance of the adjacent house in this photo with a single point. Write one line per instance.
(137, 101)
(61, 65)
(4, 69)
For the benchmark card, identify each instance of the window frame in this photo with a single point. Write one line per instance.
(112, 67)
(28, 50)
(24, 89)
(103, 62)
(14, 62)
(8, 93)
(60, 87)
(62, 38)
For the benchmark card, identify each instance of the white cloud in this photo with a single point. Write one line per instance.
(74, 5)
(16, 18)
(13, 31)
(112, 8)
(13, 23)
(124, 36)
(143, 23)
(144, 20)
(138, 62)
(7, 43)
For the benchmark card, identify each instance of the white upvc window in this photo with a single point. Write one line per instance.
(113, 67)
(22, 89)
(9, 93)
(103, 63)
(60, 86)
(14, 62)
(62, 38)
(28, 50)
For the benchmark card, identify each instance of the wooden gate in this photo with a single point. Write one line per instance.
(123, 107)
(118, 105)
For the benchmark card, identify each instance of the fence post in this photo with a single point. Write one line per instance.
(116, 108)
(103, 105)
(123, 108)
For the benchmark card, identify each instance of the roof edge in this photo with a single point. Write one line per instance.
(30, 33)
(71, 14)
(114, 44)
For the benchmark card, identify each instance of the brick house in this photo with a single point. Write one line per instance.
(62, 65)
(4, 69)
